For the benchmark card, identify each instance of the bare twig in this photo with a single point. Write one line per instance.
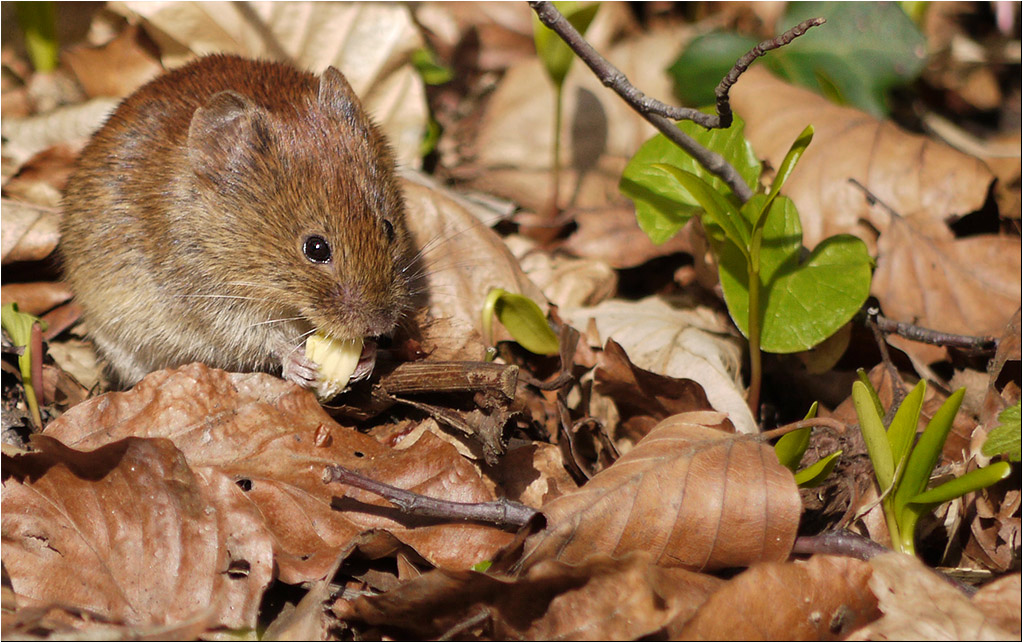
(503, 512)
(831, 423)
(659, 114)
(898, 387)
(928, 336)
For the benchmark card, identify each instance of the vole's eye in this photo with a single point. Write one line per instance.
(316, 249)
(389, 230)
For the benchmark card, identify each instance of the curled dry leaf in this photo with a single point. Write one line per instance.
(115, 69)
(643, 398)
(35, 298)
(823, 599)
(683, 342)
(920, 606)
(131, 533)
(600, 599)
(370, 43)
(692, 495)
(26, 137)
(274, 440)
(463, 260)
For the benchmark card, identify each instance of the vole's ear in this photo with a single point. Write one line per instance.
(222, 132)
(338, 98)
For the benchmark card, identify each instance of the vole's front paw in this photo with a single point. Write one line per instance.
(300, 369)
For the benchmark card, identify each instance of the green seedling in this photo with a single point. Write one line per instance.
(790, 449)
(19, 326)
(781, 301)
(904, 470)
(523, 319)
(557, 59)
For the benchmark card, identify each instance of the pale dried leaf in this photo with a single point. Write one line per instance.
(369, 42)
(131, 533)
(29, 232)
(274, 439)
(693, 496)
(823, 599)
(1000, 601)
(464, 260)
(26, 137)
(684, 342)
(919, 606)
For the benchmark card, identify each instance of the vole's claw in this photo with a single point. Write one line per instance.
(300, 370)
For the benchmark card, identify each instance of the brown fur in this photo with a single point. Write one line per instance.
(185, 219)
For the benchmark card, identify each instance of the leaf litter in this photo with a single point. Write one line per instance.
(184, 504)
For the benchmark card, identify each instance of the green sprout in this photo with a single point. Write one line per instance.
(19, 326)
(557, 59)
(523, 319)
(790, 449)
(904, 470)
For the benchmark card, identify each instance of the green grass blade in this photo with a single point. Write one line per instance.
(862, 374)
(815, 474)
(784, 170)
(903, 428)
(927, 451)
(972, 481)
(790, 447)
(874, 436)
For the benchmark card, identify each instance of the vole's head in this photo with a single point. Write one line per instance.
(311, 220)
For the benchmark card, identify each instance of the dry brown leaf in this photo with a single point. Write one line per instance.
(370, 43)
(680, 340)
(969, 286)
(924, 181)
(920, 606)
(691, 495)
(131, 533)
(464, 260)
(601, 599)
(1000, 602)
(823, 599)
(26, 137)
(117, 68)
(274, 440)
(514, 144)
(643, 398)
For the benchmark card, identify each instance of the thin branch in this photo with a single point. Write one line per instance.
(928, 336)
(831, 423)
(658, 113)
(503, 512)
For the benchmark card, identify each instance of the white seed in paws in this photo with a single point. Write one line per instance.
(336, 359)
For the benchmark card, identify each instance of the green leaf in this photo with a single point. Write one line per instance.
(663, 207)
(704, 62)
(791, 160)
(523, 319)
(19, 326)
(874, 436)
(1005, 438)
(902, 430)
(802, 302)
(815, 474)
(720, 215)
(790, 447)
(928, 449)
(556, 56)
(864, 50)
(972, 481)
